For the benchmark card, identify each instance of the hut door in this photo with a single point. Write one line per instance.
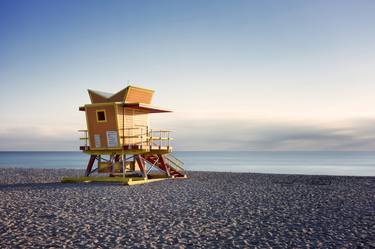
(112, 140)
(97, 141)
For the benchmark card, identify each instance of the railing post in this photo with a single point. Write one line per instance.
(151, 138)
(86, 138)
(128, 142)
(147, 137)
(141, 138)
(123, 138)
(161, 140)
(168, 139)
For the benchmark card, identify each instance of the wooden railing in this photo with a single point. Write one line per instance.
(159, 137)
(137, 135)
(141, 136)
(175, 163)
(85, 137)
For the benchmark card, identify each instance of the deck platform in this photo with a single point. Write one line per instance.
(127, 149)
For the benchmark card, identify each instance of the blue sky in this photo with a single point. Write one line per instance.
(240, 75)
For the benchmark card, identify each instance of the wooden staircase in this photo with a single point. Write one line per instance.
(167, 163)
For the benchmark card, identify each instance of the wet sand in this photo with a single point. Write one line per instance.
(209, 210)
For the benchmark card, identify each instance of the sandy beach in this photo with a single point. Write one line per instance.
(208, 210)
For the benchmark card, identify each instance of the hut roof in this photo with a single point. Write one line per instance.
(103, 94)
(130, 94)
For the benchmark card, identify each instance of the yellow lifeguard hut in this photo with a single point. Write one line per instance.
(119, 138)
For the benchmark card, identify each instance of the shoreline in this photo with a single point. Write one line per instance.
(22, 175)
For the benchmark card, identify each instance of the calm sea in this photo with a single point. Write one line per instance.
(321, 163)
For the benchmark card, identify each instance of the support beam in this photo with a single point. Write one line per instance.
(164, 165)
(112, 159)
(123, 165)
(142, 165)
(90, 164)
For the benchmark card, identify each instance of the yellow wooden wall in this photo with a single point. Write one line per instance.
(100, 128)
(133, 119)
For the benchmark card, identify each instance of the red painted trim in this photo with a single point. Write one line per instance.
(147, 107)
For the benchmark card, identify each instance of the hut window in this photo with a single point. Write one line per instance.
(100, 116)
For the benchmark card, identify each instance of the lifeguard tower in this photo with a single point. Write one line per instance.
(119, 138)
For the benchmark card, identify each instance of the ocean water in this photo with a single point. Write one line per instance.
(311, 163)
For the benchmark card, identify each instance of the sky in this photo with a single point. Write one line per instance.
(239, 75)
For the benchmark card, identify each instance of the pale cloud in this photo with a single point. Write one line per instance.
(31, 138)
(265, 135)
(192, 133)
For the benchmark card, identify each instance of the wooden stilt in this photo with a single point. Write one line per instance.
(90, 164)
(164, 165)
(142, 165)
(123, 165)
(112, 160)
